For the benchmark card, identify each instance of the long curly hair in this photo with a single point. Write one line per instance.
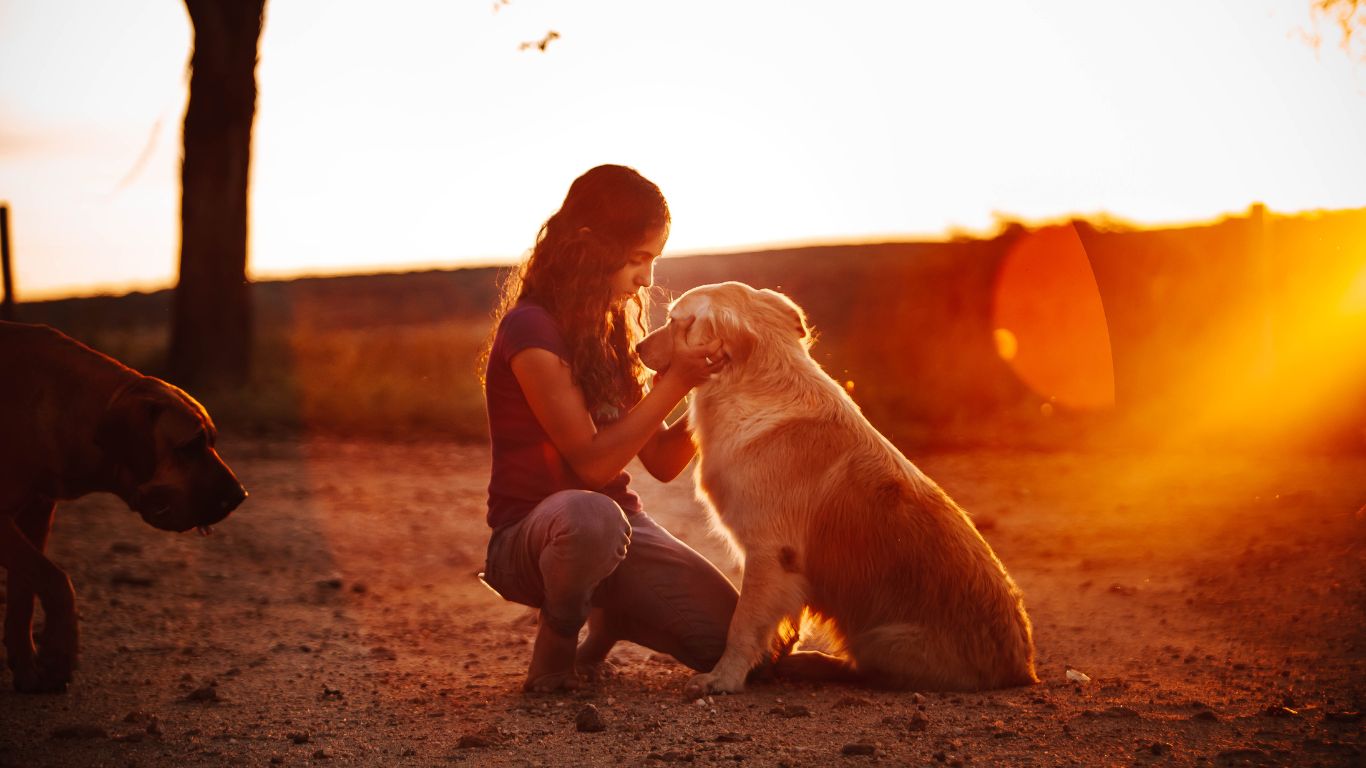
(608, 211)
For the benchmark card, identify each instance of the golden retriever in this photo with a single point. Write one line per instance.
(832, 521)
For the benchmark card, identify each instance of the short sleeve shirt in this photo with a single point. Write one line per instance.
(527, 467)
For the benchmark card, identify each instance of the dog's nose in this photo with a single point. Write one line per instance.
(233, 500)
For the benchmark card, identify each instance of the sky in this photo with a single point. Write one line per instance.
(420, 134)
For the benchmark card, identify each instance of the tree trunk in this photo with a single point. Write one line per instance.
(211, 331)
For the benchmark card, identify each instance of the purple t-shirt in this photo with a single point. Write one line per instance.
(527, 467)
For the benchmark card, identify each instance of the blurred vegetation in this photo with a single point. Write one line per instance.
(1234, 333)
(378, 355)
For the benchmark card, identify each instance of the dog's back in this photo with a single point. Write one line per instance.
(48, 384)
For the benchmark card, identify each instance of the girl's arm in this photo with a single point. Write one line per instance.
(598, 455)
(668, 452)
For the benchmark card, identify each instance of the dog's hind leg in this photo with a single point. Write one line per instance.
(21, 548)
(910, 656)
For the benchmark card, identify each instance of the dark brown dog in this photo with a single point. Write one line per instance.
(72, 422)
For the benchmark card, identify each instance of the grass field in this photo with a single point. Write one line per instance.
(1244, 332)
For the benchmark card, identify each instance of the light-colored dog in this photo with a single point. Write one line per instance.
(832, 520)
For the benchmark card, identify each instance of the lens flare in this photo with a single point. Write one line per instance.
(1049, 321)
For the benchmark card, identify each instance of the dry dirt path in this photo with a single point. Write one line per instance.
(1217, 604)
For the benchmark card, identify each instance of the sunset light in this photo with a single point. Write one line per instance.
(425, 135)
(608, 382)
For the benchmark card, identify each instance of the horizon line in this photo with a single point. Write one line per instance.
(1000, 225)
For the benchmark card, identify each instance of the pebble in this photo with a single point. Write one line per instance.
(208, 693)
(473, 741)
(489, 737)
(301, 737)
(791, 710)
(589, 720)
(917, 721)
(858, 748)
(731, 737)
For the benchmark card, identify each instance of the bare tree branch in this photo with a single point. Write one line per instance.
(540, 44)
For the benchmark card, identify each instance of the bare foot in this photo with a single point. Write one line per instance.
(591, 659)
(552, 663)
(596, 671)
(553, 682)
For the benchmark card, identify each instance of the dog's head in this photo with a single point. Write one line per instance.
(160, 442)
(746, 321)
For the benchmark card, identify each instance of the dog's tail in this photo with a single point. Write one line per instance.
(911, 656)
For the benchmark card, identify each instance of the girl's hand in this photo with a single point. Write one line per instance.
(692, 364)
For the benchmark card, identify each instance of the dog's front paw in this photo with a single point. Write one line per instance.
(28, 679)
(714, 682)
(55, 670)
(56, 659)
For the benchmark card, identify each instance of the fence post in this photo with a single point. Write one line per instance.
(7, 306)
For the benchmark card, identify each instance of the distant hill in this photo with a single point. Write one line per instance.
(1241, 332)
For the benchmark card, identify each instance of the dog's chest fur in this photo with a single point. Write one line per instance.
(734, 431)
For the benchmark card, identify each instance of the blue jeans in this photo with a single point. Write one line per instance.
(578, 550)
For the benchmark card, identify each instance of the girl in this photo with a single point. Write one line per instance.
(567, 411)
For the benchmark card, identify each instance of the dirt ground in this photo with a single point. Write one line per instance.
(1217, 604)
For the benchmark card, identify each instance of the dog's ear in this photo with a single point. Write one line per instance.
(125, 430)
(795, 317)
(730, 326)
(181, 423)
(701, 323)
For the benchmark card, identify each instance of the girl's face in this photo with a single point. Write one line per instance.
(639, 270)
